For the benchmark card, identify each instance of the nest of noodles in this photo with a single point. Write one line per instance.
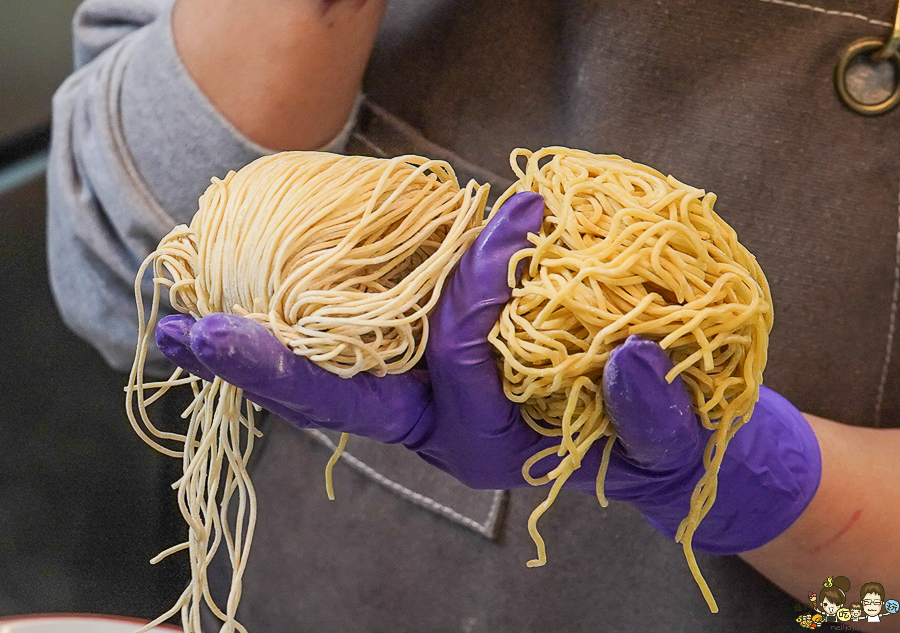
(625, 250)
(342, 258)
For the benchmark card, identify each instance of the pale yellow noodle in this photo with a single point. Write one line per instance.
(342, 258)
(625, 250)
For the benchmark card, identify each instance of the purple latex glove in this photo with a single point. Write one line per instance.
(770, 472)
(457, 418)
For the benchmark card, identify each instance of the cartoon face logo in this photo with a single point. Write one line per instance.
(829, 604)
(871, 604)
(831, 608)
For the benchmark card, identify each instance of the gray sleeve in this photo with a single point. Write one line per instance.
(134, 145)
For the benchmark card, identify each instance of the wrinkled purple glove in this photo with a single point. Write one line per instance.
(456, 417)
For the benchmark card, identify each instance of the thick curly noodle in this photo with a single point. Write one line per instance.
(626, 250)
(341, 258)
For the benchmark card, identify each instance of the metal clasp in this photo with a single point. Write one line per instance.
(893, 42)
(878, 51)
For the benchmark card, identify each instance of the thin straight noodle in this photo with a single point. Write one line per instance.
(625, 250)
(342, 258)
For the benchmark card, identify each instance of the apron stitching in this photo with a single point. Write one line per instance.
(891, 324)
(495, 509)
(406, 492)
(370, 144)
(843, 14)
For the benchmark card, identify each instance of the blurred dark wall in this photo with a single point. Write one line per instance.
(84, 503)
(35, 56)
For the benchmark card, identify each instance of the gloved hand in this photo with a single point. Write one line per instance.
(769, 474)
(456, 417)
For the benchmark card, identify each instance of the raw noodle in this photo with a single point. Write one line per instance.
(342, 258)
(625, 250)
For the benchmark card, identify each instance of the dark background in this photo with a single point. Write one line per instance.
(35, 56)
(84, 503)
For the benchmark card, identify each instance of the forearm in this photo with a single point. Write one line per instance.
(850, 528)
(285, 73)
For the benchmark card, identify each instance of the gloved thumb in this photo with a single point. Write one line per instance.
(478, 289)
(461, 361)
(654, 420)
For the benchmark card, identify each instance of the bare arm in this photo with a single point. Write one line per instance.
(852, 526)
(285, 73)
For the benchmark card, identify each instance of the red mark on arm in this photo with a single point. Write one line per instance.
(853, 519)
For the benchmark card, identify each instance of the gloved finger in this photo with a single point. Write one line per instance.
(247, 355)
(654, 420)
(173, 337)
(461, 360)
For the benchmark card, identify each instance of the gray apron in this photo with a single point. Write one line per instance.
(733, 96)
